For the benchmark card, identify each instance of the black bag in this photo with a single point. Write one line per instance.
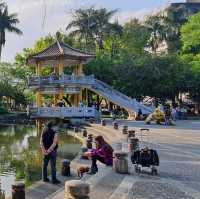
(145, 158)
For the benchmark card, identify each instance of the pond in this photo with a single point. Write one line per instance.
(21, 158)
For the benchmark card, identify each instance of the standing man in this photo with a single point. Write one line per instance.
(49, 145)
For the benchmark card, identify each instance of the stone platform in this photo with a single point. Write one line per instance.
(179, 171)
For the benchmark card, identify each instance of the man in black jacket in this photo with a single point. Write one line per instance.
(49, 145)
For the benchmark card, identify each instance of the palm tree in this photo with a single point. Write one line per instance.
(7, 23)
(92, 25)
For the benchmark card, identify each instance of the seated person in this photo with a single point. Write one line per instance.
(102, 153)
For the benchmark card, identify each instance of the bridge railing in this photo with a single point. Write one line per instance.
(60, 80)
(63, 112)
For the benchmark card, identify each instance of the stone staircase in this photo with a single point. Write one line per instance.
(118, 98)
(105, 184)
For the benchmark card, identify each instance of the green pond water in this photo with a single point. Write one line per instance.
(21, 158)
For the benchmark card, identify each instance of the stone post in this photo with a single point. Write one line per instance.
(120, 162)
(65, 169)
(89, 144)
(125, 130)
(84, 133)
(103, 122)
(118, 146)
(76, 189)
(131, 134)
(18, 190)
(115, 125)
(133, 144)
(76, 129)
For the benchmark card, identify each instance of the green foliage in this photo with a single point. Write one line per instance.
(190, 33)
(135, 36)
(92, 26)
(2, 109)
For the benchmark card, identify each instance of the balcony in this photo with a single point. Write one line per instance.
(62, 80)
(63, 112)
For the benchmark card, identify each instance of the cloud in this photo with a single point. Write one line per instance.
(36, 20)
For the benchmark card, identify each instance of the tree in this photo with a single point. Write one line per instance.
(7, 23)
(157, 30)
(92, 26)
(190, 34)
(135, 36)
(165, 28)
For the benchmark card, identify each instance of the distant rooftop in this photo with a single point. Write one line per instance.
(192, 5)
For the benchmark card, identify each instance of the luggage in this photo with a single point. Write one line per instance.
(145, 157)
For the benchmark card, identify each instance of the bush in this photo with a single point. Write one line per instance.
(2, 109)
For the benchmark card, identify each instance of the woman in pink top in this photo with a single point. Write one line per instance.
(102, 153)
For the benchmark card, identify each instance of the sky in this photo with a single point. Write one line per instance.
(35, 22)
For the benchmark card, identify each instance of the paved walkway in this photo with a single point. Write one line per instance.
(179, 171)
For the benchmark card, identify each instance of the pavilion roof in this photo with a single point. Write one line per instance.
(57, 51)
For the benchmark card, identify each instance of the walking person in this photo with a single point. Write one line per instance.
(49, 145)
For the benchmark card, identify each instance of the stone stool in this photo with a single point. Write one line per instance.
(133, 144)
(125, 130)
(131, 133)
(76, 189)
(90, 137)
(76, 129)
(120, 162)
(65, 169)
(103, 122)
(115, 125)
(2, 194)
(118, 146)
(89, 144)
(84, 133)
(18, 190)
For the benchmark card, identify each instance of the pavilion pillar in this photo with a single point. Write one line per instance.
(60, 71)
(56, 97)
(39, 126)
(38, 98)
(38, 68)
(78, 71)
(61, 66)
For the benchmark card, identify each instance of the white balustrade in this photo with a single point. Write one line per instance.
(64, 112)
(60, 80)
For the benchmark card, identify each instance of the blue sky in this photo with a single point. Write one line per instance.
(31, 12)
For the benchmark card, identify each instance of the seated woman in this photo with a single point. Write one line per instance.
(102, 153)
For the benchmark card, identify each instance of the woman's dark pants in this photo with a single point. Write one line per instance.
(94, 162)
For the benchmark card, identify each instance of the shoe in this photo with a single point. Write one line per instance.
(93, 171)
(56, 181)
(46, 180)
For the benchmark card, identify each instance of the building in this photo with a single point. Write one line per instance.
(181, 10)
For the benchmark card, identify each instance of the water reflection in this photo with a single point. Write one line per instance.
(21, 158)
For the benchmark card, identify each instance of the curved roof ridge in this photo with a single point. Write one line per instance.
(43, 50)
(59, 46)
(74, 49)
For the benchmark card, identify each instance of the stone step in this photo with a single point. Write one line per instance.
(105, 186)
(123, 190)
